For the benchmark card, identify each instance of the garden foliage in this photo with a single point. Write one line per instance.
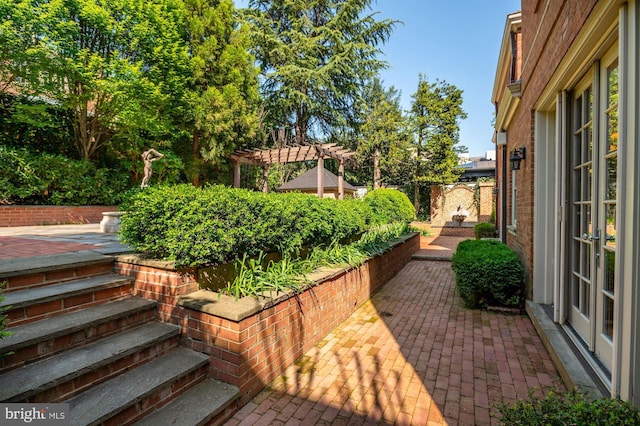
(259, 278)
(487, 272)
(484, 230)
(389, 206)
(569, 409)
(217, 224)
(54, 179)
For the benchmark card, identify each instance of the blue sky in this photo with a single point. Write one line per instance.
(454, 41)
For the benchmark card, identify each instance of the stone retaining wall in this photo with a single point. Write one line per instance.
(51, 215)
(251, 342)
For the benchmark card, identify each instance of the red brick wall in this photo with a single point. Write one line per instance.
(51, 215)
(252, 352)
(159, 281)
(486, 201)
(544, 43)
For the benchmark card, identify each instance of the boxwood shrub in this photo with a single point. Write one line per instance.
(214, 225)
(484, 230)
(487, 272)
(390, 205)
(569, 409)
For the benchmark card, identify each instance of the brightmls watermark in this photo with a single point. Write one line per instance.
(34, 414)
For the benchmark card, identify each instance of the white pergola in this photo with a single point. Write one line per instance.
(291, 154)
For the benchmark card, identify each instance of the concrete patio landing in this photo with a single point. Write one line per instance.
(26, 242)
(412, 355)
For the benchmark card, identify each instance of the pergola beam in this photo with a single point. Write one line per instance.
(292, 154)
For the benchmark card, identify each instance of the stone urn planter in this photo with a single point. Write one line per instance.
(110, 223)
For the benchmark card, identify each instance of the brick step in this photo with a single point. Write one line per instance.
(69, 373)
(200, 405)
(130, 396)
(43, 302)
(24, 273)
(40, 339)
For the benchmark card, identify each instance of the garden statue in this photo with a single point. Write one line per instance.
(149, 157)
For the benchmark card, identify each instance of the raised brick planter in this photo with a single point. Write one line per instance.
(251, 342)
(51, 215)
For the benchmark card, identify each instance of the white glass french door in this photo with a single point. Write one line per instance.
(593, 191)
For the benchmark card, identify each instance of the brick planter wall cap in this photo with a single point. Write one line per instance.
(224, 306)
(142, 260)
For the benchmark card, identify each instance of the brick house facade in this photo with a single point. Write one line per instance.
(566, 90)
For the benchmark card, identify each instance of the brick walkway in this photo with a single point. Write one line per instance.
(411, 355)
(438, 248)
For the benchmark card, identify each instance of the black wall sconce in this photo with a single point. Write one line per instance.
(517, 156)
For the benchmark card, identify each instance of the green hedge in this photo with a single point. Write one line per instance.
(569, 409)
(214, 225)
(56, 180)
(390, 206)
(484, 230)
(487, 273)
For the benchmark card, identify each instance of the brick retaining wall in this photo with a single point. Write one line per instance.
(251, 351)
(51, 215)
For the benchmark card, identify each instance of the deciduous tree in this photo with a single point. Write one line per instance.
(95, 59)
(436, 111)
(382, 136)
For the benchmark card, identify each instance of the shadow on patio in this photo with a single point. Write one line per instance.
(411, 355)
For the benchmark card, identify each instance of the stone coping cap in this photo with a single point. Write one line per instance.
(142, 260)
(225, 306)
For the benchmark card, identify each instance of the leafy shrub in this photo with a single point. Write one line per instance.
(389, 205)
(18, 178)
(569, 409)
(487, 272)
(214, 225)
(484, 230)
(57, 180)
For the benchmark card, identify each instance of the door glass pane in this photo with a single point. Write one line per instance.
(577, 151)
(610, 228)
(612, 178)
(589, 184)
(607, 326)
(586, 184)
(588, 226)
(586, 260)
(612, 108)
(585, 297)
(610, 271)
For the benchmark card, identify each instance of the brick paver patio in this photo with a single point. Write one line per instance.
(411, 355)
